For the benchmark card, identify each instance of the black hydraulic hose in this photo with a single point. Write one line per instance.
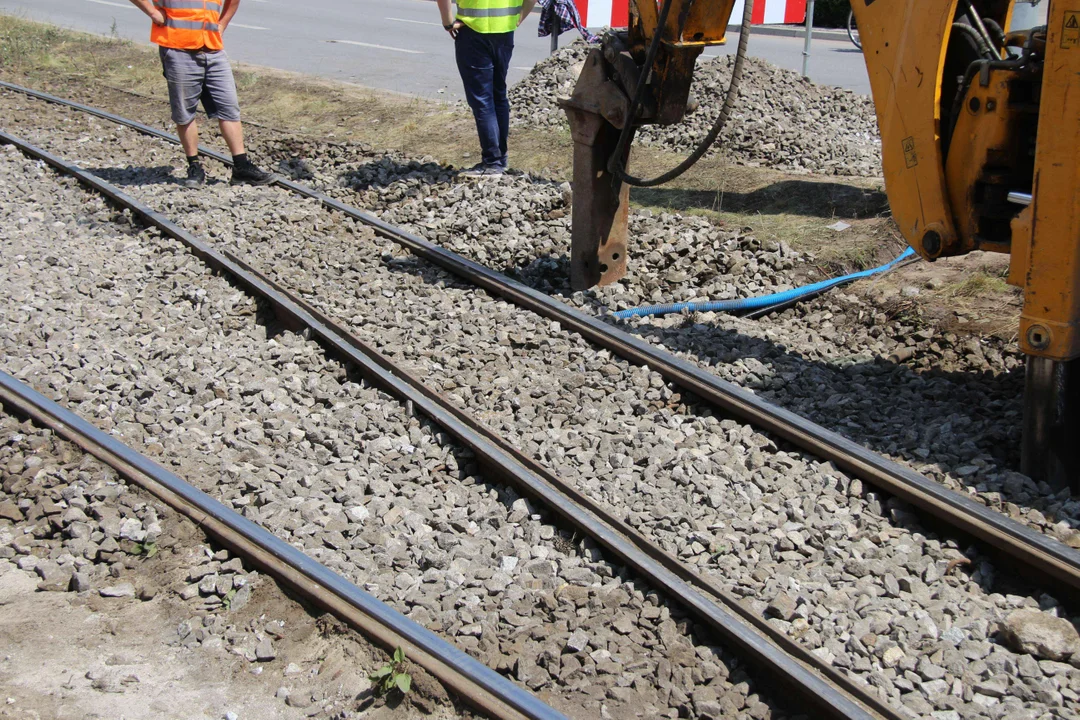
(614, 162)
(972, 70)
(707, 142)
(974, 36)
(995, 31)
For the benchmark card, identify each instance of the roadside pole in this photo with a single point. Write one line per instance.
(809, 34)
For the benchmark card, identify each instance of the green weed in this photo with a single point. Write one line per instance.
(391, 677)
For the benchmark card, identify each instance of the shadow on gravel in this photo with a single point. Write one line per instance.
(138, 176)
(387, 170)
(888, 408)
(940, 422)
(793, 197)
(933, 418)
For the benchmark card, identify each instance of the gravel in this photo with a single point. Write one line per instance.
(780, 119)
(847, 572)
(171, 359)
(84, 530)
(826, 359)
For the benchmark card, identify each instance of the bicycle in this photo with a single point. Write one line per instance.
(853, 30)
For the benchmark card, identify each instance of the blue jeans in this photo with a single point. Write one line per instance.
(482, 60)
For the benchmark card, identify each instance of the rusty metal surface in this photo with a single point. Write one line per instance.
(1051, 423)
(673, 73)
(601, 209)
(599, 91)
(596, 111)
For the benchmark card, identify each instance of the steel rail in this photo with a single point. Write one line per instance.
(665, 560)
(828, 690)
(1033, 550)
(478, 684)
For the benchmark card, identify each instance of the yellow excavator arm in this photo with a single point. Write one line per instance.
(979, 152)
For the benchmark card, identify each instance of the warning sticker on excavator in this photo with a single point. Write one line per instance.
(910, 158)
(1070, 32)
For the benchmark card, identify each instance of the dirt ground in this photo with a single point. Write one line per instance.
(68, 656)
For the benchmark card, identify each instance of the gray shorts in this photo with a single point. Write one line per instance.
(195, 75)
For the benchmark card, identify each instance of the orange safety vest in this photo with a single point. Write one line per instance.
(189, 25)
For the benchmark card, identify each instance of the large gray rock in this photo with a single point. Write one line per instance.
(1041, 635)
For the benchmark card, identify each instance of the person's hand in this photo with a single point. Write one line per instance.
(159, 17)
(453, 28)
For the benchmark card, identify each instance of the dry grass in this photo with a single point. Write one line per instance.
(981, 283)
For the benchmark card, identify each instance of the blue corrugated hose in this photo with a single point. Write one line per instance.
(761, 301)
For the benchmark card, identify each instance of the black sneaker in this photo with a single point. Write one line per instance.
(482, 170)
(196, 176)
(250, 174)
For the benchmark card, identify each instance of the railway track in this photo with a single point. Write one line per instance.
(1038, 552)
(478, 685)
(831, 691)
(753, 636)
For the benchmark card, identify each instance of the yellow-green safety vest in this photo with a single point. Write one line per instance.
(489, 16)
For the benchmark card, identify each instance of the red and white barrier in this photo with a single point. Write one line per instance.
(600, 13)
(772, 12)
(616, 13)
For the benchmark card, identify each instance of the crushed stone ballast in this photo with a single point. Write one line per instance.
(1033, 550)
(831, 692)
(346, 206)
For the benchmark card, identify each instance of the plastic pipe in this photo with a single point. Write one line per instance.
(760, 301)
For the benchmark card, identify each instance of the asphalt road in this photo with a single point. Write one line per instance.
(394, 45)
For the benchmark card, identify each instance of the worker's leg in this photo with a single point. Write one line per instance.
(189, 138)
(473, 52)
(185, 79)
(504, 49)
(221, 103)
(233, 132)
